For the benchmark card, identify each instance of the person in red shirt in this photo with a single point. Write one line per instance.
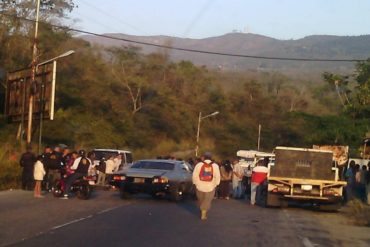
(259, 174)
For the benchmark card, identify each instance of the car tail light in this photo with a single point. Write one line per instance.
(119, 178)
(160, 180)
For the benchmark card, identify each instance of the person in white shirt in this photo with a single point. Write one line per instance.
(110, 167)
(238, 174)
(206, 177)
(38, 175)
(118, 161)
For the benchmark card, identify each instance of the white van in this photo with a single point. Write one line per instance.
(104, 153)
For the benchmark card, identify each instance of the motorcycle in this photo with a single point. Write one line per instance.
(81, 187)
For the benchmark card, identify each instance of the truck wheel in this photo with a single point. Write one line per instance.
(273, 200)
(177, 192)
(283, 203)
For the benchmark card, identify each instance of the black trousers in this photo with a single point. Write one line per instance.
(27, 179)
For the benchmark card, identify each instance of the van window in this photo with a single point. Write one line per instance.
(103, 154)
(128, 158)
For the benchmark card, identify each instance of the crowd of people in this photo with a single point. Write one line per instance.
(358, 182)
(224, 180)
(61, 163)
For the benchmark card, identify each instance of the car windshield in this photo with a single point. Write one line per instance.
(153, 165)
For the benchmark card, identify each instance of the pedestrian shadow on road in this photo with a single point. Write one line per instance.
(190, 206)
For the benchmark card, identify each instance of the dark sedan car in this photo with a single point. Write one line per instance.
(155, 177)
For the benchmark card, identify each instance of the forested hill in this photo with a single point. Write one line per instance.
(317, 46)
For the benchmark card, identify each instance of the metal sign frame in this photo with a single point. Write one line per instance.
(19, 87)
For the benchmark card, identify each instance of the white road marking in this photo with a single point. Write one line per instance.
(87, 217)
(71, 222)
(110, 209)
(307, 243)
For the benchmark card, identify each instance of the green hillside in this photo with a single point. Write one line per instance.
(121, 97)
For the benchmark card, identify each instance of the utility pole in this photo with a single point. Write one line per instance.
(198, 129)
(259, 137)
(33, 76)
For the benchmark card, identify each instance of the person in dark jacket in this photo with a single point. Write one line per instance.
(53, 164)
(81, 167)
(27, 162)
(226, 172)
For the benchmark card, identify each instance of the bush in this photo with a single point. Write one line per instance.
(10, 171)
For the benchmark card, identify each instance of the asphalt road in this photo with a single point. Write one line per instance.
(106, 220)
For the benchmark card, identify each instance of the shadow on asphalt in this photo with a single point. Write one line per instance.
(190, 206)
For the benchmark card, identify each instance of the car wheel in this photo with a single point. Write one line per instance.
(192, 194)
(177, 192)
(156, 196)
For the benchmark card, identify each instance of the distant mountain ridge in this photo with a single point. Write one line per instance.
(315, 46)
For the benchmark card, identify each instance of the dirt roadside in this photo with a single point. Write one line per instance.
(342, 228)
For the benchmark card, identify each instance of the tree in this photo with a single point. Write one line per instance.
(340, 84)
(127, 69)
(363, 83)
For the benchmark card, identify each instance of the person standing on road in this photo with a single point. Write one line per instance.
(38, 175)
(351, 181)
(237, 179)
(54, 165)
(110, 168)
(101, 169)
(362, 189)
(259, 174)
(226, 172)
(206, 177)
(27, 162)
(118, 161)
(368, 184)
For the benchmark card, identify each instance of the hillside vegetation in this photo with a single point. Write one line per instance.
(317, 46)
(119, 97)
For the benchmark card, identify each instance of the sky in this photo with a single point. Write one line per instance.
(280, 19)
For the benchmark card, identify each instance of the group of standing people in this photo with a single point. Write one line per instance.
(61, 163)
(53, 164)
(210, 178)
(107, 166)
(358, 182)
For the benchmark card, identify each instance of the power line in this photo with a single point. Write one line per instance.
(198, 16)
(186, 49)
(111, 16)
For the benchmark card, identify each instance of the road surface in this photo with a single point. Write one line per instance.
(107, 220)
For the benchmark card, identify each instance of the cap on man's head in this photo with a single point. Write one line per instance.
(207, 155)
